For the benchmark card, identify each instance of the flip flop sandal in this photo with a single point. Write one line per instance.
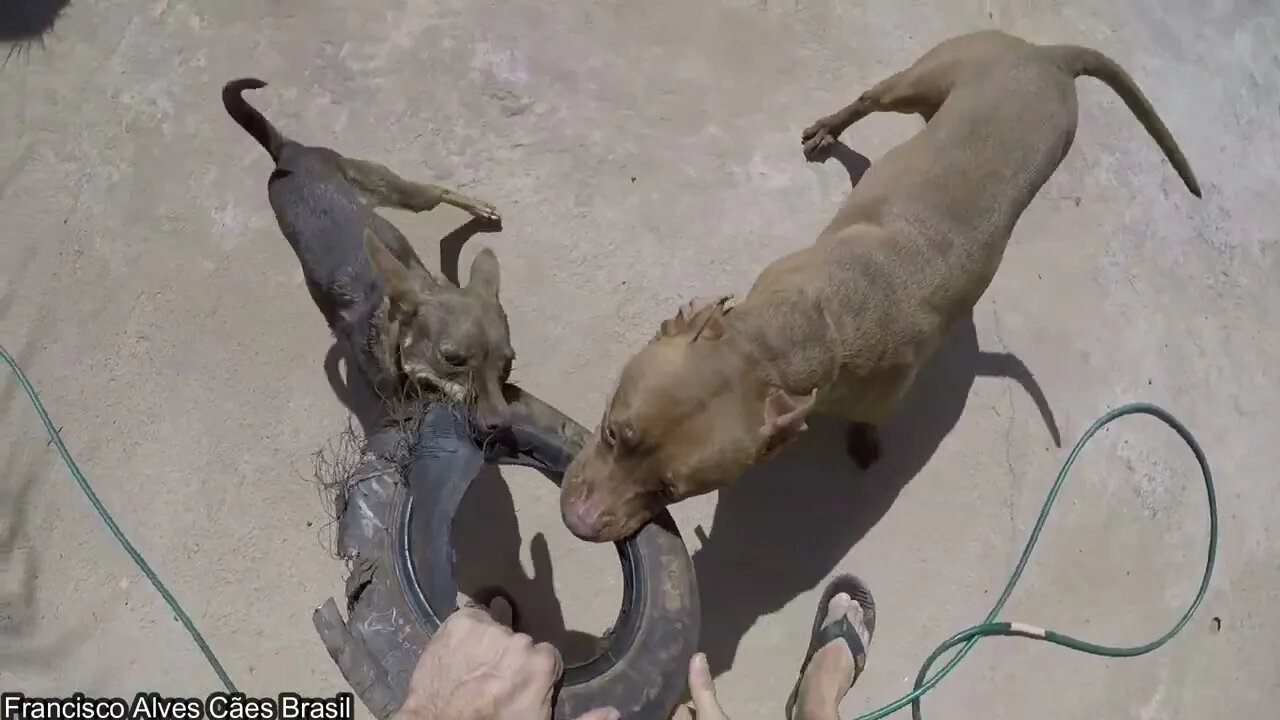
(840, 629)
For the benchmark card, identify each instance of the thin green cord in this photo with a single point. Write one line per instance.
(965, 639)
(969, 637)
(111, 523)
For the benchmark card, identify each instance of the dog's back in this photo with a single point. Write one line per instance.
(919, 239)
(322, 216)
(324, 219)
(1001, 115)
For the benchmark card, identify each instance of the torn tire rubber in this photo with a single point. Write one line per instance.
(396, 537)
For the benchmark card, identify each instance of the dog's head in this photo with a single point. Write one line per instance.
(450, 338)
(691, 412)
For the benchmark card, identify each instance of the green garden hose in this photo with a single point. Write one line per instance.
(119, 535)
(964, 640)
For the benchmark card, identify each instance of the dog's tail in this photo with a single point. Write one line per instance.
(249, 118)
(1078, 61)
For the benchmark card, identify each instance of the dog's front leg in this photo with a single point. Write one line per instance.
(383, 188)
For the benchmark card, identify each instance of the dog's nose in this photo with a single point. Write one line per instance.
(495, 418)
(582, 518)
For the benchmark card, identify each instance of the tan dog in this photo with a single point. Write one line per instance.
(841, 327)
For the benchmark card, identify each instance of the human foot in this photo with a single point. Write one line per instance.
(837, 651)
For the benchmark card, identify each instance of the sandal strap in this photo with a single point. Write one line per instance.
(842, 629)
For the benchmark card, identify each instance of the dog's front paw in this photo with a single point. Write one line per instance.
(818, 141)
(488, 213)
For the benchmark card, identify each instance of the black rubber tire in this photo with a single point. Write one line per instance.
(396, 599)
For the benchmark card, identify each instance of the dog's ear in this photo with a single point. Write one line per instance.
(701, 319)
(784, 418)
(485, 276)
(405, 288)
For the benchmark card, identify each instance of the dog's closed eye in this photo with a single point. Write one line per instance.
(623, 437)
(453, 356)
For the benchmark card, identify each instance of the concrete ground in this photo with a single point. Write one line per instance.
(641, 153)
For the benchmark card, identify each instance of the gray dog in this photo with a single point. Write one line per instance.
(404, 327)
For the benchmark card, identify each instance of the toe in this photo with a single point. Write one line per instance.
(838, 607)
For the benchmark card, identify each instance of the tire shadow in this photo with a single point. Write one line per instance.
(352, 389)
(487, 543)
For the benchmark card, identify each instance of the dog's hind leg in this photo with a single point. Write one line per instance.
(862, 442)
(920, 89)
(383, 188)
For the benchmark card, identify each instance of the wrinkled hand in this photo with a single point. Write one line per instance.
(703, 690)
(477, 669)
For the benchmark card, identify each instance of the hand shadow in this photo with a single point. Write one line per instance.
(486, 540)
(789, 522)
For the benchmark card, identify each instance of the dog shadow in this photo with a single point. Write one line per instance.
(854, 162)
(790, 521)
(451, 246)
(486, 539)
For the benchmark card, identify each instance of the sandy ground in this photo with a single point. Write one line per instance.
(641, 153)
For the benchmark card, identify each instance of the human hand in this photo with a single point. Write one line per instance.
(477, 669)
(703, 690)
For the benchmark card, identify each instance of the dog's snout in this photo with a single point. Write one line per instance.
(583, 517)
(495, 417)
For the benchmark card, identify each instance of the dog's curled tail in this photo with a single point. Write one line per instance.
(1077, 61)
(249, 118)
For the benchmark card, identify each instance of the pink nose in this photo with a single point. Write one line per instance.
(582, 517)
